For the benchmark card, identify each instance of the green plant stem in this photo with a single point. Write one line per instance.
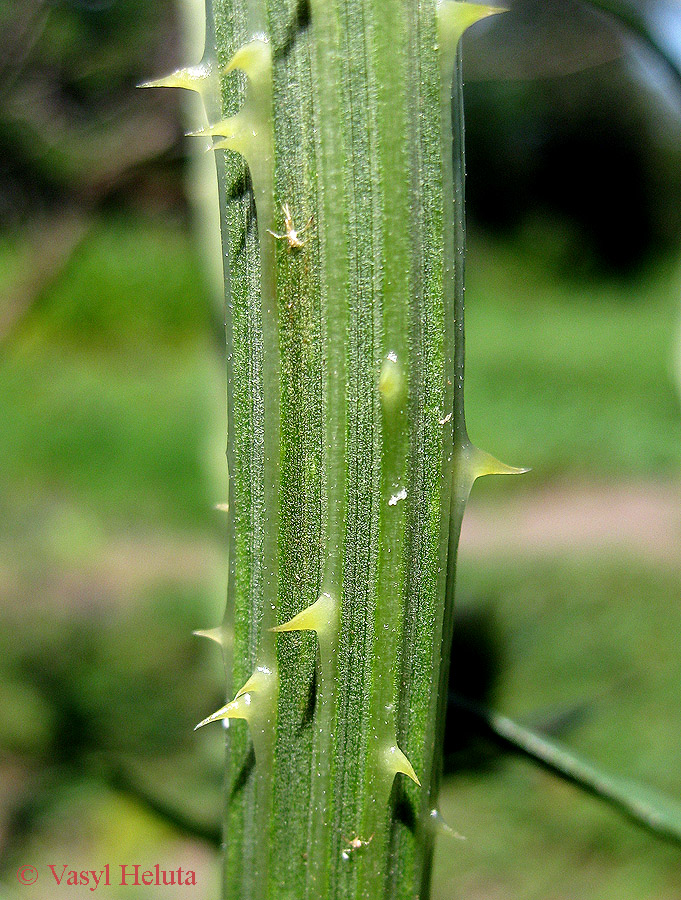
(345, 368)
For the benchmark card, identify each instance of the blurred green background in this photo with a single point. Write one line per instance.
(112, 416)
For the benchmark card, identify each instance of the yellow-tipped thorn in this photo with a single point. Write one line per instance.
(192, 78)
(319, 617)
(442, 827)
(237, 709)
(398, 763)
(253, 58)
(229, 128)
(483, 463)
(257, 683)
(213, 634)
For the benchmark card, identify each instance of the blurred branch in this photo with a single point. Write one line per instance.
(85, 141)
(51, 244)
(37, 800)
(45, 789)
(653, 810)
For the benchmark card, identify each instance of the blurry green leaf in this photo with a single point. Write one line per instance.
(645, 805)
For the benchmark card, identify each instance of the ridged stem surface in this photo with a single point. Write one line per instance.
(349, 463)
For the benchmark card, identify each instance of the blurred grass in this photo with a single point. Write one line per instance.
(112, 413)
(126, 440)
(571, 377)
(133, 287)
(110, 387)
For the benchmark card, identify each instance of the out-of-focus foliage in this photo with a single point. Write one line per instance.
(76, 136)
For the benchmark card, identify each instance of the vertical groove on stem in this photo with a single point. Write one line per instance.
(327, 80)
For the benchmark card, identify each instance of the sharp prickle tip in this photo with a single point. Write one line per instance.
(154, 83)
(192, 79)
(212, 718)
(499, 468)
(443, 827)
(317, 617)
(398, 763)
(213, 634)
(237, 709)
(483, 463)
